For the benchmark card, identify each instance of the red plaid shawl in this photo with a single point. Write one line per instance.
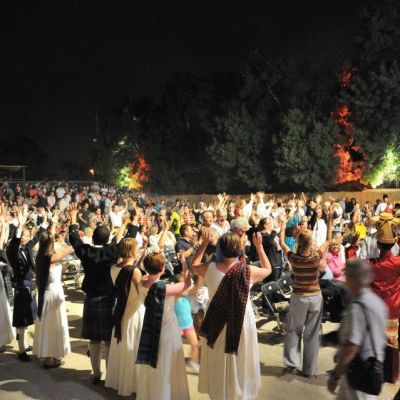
(228, 307)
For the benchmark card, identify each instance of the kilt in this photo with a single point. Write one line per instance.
(25, 307)
(97, 321)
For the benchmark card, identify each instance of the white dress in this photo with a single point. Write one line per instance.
(168, 381)
(225, 376)
(51, 331)
(7, 332)
(121, 366)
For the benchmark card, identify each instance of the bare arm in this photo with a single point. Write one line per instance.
(247, 209)
(258, 274)
(121, 231)
(325, 246)
(285, 248)
(355, 217)
(57, 257)
(179, 288)
(197, 266)
(136, 277)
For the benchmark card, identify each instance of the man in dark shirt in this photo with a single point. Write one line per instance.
(98, 287)
(186, 242)
(19, 254)
(83, 216)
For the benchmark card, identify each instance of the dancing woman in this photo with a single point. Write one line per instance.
(161, 369)
(51, 340)
(229, 365)
(128, 321)
(305, 310)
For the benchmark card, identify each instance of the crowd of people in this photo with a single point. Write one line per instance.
(157, 271)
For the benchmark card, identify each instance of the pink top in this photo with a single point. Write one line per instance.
(335, 264)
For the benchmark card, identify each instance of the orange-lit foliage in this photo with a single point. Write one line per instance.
(139, 173)
(346, 74)
(348, 170)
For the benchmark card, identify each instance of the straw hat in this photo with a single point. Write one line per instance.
(386, 225)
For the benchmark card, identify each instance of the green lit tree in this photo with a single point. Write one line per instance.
(304, 153)
(374, 93)
(237, 152)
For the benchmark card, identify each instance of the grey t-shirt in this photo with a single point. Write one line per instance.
(354, 325)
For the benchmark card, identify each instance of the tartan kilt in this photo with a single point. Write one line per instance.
(97, 321)
(25, 307)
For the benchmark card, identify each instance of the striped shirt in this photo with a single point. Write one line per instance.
(306, 273)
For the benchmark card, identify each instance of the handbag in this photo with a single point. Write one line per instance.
(366, 375)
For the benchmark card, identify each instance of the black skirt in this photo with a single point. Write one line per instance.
(25, 307)
(97, 322)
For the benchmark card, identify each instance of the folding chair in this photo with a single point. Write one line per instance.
(275, 308)
(255, 291)
(285, 284)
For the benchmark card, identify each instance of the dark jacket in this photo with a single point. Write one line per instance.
(271, 248)
(23, 265)
(96, 262)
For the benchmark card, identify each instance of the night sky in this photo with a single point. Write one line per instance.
(60, 61)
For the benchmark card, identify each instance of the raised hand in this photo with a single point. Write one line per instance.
(56, 216)
(283, 219)
(25, 210)
(205, 236)
(257, 239)
(21, 218)
(166, 224)
(73, 212)
(126, 220)
(182, 259)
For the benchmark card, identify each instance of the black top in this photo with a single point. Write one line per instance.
(96, 262)
(21, 259)
(271, 249)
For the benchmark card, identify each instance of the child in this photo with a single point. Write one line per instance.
(198, 301)
(185, 321)
(161, 369)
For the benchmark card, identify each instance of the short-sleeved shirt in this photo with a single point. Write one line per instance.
(354, 325)
(85, 215)
(305, 273)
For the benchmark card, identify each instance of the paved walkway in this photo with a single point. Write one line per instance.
(21, 381)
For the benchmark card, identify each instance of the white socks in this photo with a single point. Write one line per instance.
(106, 352)
(95, 359)
(21, 339)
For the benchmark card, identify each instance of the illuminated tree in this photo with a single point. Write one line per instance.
(237, 151)
(374, 93)
(304, 153)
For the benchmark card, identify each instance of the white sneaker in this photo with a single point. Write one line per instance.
(193, 367)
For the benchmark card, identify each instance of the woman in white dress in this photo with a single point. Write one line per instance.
(51, 340)
(166, 378)
(121, 364)
(230, 374)
(7, 332)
